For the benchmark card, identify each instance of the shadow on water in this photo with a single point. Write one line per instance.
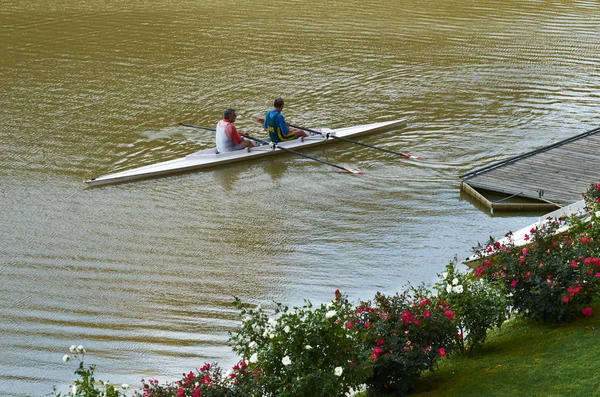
(275, 169)
(499, 214)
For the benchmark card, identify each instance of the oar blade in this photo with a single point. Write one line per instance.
(353, 170)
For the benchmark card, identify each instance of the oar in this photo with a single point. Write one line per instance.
(276, 146)
(327, 135)
(193, 126)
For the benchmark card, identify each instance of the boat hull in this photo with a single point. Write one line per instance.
(209, 158)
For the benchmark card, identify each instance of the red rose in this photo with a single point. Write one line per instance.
(587, 311)
(407, 317)
(449, 314)
(442, 352)
(376, 353)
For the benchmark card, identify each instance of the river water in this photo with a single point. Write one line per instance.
(143, 274)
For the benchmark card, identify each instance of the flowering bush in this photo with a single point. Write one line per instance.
(406, 334)
(554, 278)
(478, 306)
(304, 351)
(208, 381)
(589, 227)
(86, 385)
(592, 196)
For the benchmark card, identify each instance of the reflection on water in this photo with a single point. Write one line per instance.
(143, 274)
(276, 169)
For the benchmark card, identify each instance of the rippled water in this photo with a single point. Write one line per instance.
(143, 274)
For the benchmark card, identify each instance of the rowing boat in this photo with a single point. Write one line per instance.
(521, 236)
(209, 158)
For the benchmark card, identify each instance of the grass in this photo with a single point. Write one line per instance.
(525, 359)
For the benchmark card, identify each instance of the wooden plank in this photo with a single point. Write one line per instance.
(563, 172)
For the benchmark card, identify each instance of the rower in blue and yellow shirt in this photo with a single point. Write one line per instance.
(276, 125)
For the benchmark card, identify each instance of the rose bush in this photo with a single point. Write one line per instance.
(304, 351)
(556, 275)
(86, 385)
(406, 334)
(208, 381)
(592, 196)
(478, 306)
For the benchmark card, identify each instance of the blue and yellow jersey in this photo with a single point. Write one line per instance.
(276, 127)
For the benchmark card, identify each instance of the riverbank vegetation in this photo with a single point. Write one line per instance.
(434, 338)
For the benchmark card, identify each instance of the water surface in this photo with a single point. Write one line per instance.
(143, 274)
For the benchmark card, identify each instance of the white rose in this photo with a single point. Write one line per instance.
(338, 371)
(448, 288)
(286, 361)
(254, 358)
(287, 329)
(125, 386)
(73, 349)
(458, 289)
(66, 358)
(444, 275)
(454, 281)
(308, 347)
(330, 313)
(252, 345)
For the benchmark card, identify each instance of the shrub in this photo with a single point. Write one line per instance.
(208, 381)
(555, 277)
(304, 351)
(406, 334)
(478, 306)
(86, 385)
(592, 196)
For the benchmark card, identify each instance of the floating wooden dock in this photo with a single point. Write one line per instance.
(540, 180)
